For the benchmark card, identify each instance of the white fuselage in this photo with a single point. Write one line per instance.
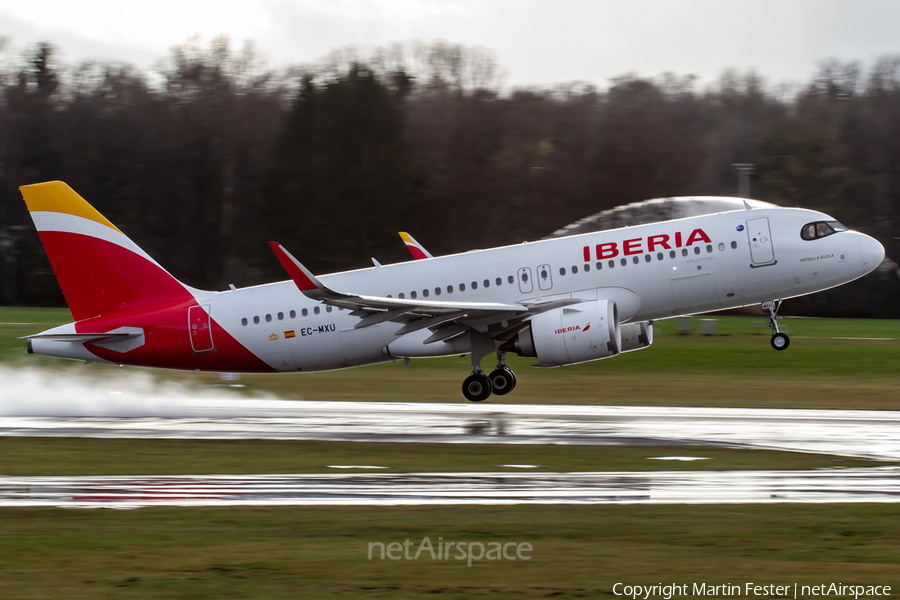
(751, 256)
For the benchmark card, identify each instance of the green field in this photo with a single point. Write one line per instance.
(322, 552)
(832, 363)
(85, 456)
(578, 551)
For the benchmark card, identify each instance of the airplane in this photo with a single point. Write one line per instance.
(562, 301)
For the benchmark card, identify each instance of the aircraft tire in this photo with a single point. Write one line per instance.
(477, 387)
(503, 381)
(780, 341)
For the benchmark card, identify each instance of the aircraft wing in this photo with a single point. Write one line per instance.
(415, 314)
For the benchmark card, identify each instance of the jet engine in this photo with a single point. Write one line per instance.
(636, 336)
(572, 334)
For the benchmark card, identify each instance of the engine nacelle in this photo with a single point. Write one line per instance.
(636, 336)
(572, 334)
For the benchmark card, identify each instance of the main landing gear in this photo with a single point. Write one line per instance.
(501, 381)
(780, 341)
(478, 386)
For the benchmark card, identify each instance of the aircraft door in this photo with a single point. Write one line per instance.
(199, 326)
(545, 282)
(761, 250)
(524, 277)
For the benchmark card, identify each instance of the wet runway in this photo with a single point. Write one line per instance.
(698, 487)
(872, 434)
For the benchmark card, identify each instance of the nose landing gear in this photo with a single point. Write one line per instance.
(780, 341)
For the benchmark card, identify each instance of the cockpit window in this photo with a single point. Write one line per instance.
(820, 229)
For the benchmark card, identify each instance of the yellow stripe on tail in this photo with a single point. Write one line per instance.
(56, 196)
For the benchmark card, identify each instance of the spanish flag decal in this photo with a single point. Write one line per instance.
(290, 334)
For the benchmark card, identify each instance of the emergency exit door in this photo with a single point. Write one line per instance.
(525, 283)
(201, 332)
(760, 237)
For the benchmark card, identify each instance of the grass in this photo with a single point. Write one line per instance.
(319, 552)
(579, 551)
(85, 456)
(736, 367)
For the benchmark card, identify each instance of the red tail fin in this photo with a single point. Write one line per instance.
(99, 269)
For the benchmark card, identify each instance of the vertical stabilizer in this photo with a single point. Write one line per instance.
(99, 269)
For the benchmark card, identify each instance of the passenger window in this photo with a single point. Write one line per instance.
(562, 271)
(474, 285)
(413, 295)
(462, 287)
(574, 269)
(437, 291)
(328, 308)
(449, 289)
(401, 295)
(648, 258)
(684, 251)
(498, 281)
(734, 245)
(721, 247)
(425, 293)
(671, 254)
(587, 268)
(304, 312)
(317, 310)
(709, 248)
(293, 314)
(244, 321)
(256, 320)
(268, 318)
(487, 283)
(659, 256)
(624, 262)
(612, 263)
(599, 265)
(696, 249)
(511, 279)
(281, 316)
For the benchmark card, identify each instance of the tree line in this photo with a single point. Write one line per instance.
(210, 155)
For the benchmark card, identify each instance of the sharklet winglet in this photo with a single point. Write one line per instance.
(417, 250)
(305, 281)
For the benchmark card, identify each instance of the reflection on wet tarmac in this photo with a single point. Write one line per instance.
(697, 487)
(872, 434)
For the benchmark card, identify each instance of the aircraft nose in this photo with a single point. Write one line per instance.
(871, 251)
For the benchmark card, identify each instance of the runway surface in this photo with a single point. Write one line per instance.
(872, 434)
(698, 487)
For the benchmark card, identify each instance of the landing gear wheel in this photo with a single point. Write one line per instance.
(503, 381)
(477, 387)
(780, 341)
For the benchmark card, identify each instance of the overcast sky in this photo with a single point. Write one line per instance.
(536, 42)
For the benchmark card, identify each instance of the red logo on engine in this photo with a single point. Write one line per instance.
(567, 330)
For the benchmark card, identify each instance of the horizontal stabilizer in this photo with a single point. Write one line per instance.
(80, 337)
